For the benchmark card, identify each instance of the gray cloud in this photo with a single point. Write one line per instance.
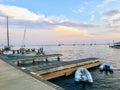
(79, 24)
(112, 19)
(112, 12)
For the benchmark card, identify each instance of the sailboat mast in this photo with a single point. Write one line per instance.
(24, 37)
(7, 34)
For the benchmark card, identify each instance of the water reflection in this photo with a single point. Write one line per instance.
(101, 82)
(84, 86)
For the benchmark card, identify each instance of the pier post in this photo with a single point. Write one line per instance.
(46, 59)
(33, 61)
(58, 58)
(13, 51)
(18, 63)
(18, 52)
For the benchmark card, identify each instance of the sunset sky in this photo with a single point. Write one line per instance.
(60, 21)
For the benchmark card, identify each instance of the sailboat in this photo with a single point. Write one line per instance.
(22, 52)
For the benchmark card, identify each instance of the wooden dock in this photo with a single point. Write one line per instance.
(40, 73)
(54, 70)
(64, 68)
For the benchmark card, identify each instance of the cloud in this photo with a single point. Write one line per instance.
(92, 17)
(57, 20)
(112, 18)
(19, 13)
(80, 10)
(111, 21)
(112, 12)
(111, 35)
(105, 3)
(67, 22)
(71, 34)
(71, 23)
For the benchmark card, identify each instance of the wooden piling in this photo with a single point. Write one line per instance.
(46, 59)
(18, 63)
(33, 61)
(58, 58)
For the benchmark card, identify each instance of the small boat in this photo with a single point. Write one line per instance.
(107, 67)
(14, 56)
(23, 53)
(115, 45)
(83, 75)
(20, 55)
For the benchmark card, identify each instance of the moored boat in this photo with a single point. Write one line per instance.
(11, 56)
(83, 75)
(107, 67)
(115, 45)
(23, 53)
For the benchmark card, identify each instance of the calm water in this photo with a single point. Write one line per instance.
(101, 80)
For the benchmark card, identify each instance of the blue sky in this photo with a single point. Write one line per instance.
(66, 21)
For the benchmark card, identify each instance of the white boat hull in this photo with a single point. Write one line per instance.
(83, 75)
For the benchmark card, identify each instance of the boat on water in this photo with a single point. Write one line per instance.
(107, 67)
(83, 75)
(14, 56)
(22, 53)
(115, 45)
